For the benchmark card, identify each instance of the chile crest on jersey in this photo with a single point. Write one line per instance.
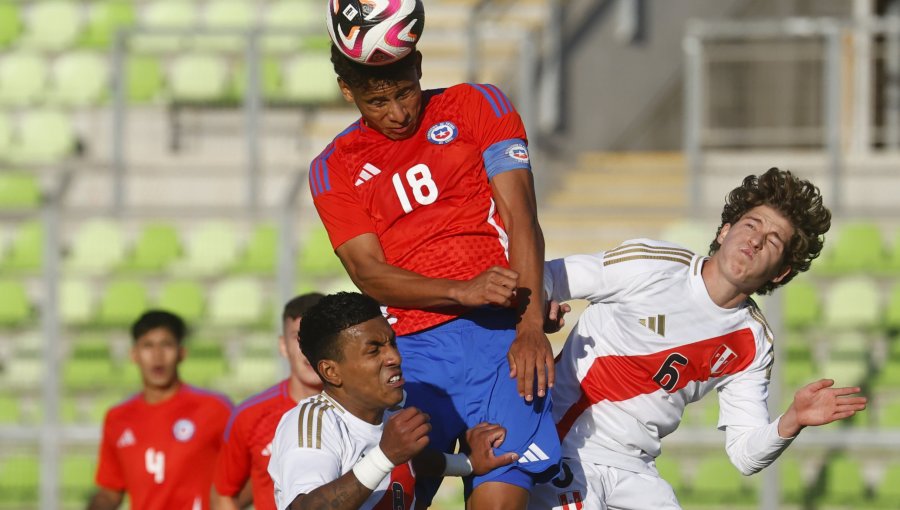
(442, 133)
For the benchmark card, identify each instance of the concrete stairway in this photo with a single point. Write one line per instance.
(611, 197)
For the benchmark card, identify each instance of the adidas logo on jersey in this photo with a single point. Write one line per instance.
(126, 439)
(369, 170)
(533, 454)
(655, 324)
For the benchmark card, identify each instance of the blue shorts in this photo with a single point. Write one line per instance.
(458, 373)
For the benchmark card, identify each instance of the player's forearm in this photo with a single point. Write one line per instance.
(105, 499)
(401, 288)
(526, 257)
(345, 493)
(753, 448)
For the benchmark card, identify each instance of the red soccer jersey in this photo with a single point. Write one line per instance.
(163, 455)
(248, 445)
(428, 198)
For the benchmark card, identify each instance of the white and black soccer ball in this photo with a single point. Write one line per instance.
(375, 32)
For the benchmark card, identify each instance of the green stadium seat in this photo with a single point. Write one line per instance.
(45, 136)
(144, 75)
(201, 371)
(198, 77)
(88, 374)
(845, 372)
(251, 373)
(887, 493)
(123, 301)
(852, 302)
(165, 14)
(19, 191)
(309, 79)
(15, 308)
(792, 486)
(6, 135)
(797, 345)
(892, 310)
(289, 16)
(316, 256)
(10, 23)
(889, 415)
(156, 247)
(23, 77)
(802, 306)
(19, 480)
(210, 250)
(185, 298)
(104, 19)
(53, 25)
(270, 79)
(77, 478)
(238, 302)
(261, 253)
(859, 247)
(844, 483)
(79, 79)
(10, 411)
(98, 247)
(25, 252)
(227, 14)
(718, 481)
(26, 374)
(77, 306)
(798, 373)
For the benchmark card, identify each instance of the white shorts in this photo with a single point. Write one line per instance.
(581, 486)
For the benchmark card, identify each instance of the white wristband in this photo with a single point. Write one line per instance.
(457, 464)
(371, 469)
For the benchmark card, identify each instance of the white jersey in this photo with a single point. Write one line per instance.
(652, 341)
(318, 441)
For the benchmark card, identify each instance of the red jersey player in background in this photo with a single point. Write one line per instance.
(248, 436)
(160, 446)
(429, 202)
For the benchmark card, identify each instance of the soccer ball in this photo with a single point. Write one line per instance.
(375, 32)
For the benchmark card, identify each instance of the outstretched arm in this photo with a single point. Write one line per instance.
(364, 260)
(753, 448)
(530, 355)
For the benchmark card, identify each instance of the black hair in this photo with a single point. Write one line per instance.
(153, 319)
(323, 323)
(360, 76)
(296, 307)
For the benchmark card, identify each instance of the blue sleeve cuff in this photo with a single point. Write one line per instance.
(506, 155)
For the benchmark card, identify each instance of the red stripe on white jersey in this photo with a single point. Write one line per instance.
(619, 378)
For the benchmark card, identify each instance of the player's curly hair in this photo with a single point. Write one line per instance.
(152, 319)
(798, 200)
(323, 323)
(360, 76)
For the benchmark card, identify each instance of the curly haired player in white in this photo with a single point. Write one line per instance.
(665, 327)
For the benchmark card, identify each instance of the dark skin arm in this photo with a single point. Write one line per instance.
(106, 499)
(481, 440)
(405, 435)
(364, 260)
(530, 354)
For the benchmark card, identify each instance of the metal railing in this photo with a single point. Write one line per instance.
(839, 123)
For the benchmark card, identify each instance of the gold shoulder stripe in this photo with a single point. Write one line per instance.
(697, 264)
(312, 414)
(649, 252)
(649, 247)
(646, 257)
(758, 316)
